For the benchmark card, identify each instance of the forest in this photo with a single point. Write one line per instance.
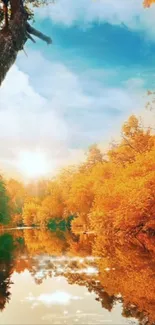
(93, 223)
(111, 194)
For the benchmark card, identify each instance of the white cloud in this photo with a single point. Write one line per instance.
(135, 83)
(129, 12)
(27, 120)
(60, 111)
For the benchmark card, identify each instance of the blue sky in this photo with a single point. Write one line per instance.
(99, 46)
(80, 90)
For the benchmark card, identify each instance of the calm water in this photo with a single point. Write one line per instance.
(52, 278)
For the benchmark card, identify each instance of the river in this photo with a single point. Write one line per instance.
(53, 278)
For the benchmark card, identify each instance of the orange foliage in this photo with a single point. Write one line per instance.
(107, 196)
(30, 211)
(43, 241)
(130, 272)
(148, 3)
(17, 195)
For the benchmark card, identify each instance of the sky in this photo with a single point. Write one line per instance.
(60, 99)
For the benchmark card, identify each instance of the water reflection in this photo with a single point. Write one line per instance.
(52, 278)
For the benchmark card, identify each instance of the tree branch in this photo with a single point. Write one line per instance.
(13, 39)
(30, 37)
(38, 34)
(128, 143)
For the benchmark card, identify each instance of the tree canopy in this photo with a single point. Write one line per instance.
(108, 196)
(4, 204)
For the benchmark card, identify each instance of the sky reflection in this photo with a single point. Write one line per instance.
(55, 301)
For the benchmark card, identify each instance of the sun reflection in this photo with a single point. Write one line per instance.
(56, 298)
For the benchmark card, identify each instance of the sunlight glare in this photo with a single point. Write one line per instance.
(33, 164)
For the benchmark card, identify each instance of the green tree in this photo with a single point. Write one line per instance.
(4, 204)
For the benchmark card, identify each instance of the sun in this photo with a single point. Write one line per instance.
(33, 164)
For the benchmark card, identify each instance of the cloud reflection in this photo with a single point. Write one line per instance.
(56, 298)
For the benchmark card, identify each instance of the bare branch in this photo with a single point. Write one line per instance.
(14, 36)
(30, 37)
(128, 143)
(38, 34)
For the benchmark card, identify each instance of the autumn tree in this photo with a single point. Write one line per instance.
(105, 195)
(30, 211)
(93, 156)
(125, 199)
(17, 195)
(135, 139)
(80, 199)
(65, 179)
(38, 188)
(148, 3)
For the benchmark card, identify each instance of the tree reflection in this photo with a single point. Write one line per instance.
(131, 273)
(5, 282)
(6, 268)
(123, 275)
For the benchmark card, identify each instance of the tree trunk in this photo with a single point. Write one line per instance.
(13, 38)
(12, 41)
